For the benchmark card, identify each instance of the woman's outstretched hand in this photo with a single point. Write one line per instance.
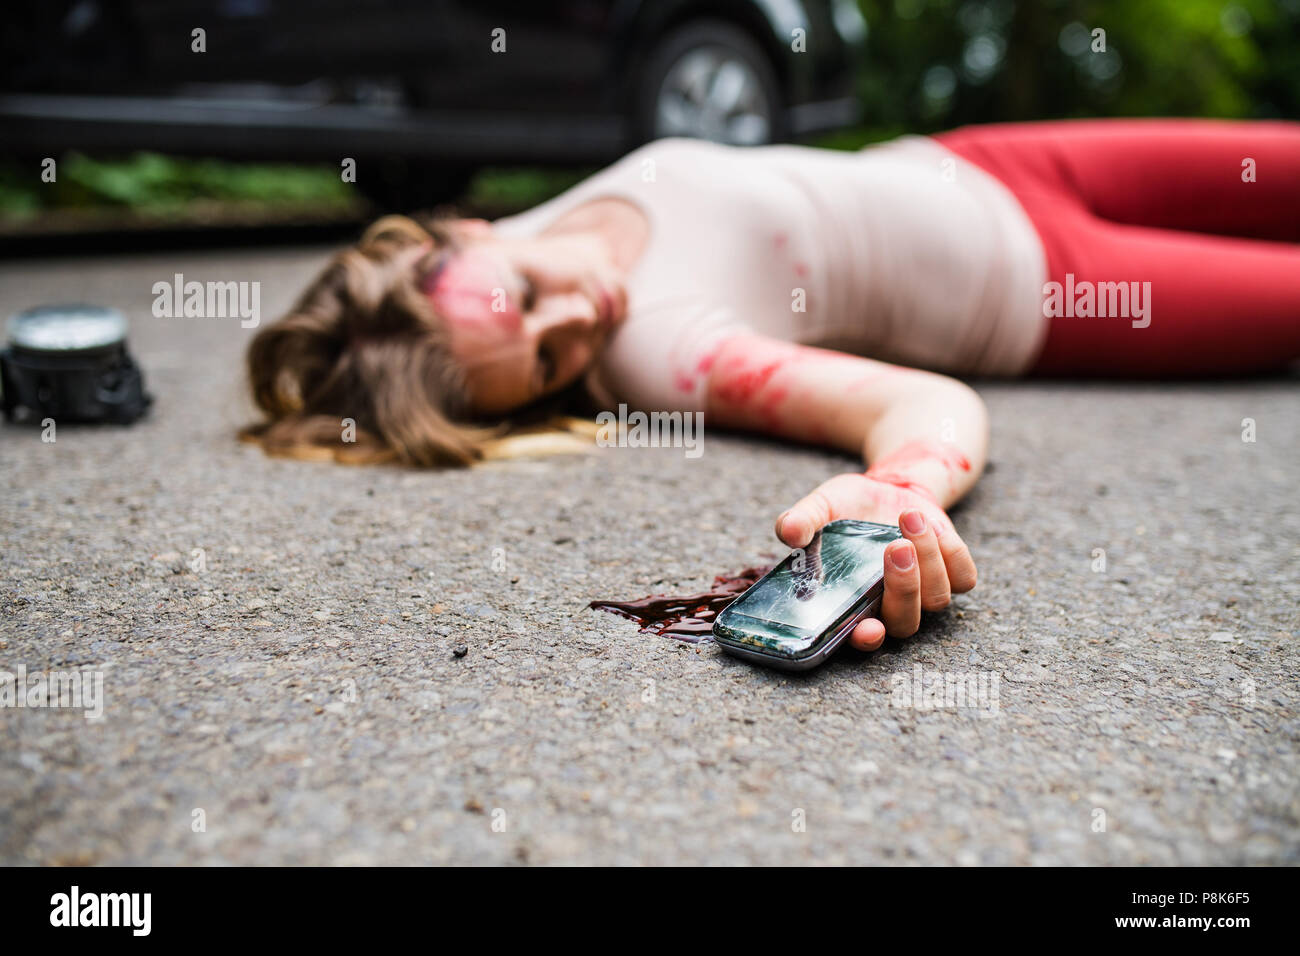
(922, 570)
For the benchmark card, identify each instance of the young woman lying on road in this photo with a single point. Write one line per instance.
(818, 296)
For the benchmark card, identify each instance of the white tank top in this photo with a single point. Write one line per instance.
(902, 252)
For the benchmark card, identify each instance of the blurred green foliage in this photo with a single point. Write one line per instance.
(148, 179)
(159, 185)
(935, 64)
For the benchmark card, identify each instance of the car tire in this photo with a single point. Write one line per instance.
(692, 74)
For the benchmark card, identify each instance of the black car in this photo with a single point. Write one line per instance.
(423, 90)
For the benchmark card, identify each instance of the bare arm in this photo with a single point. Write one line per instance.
(924, 436)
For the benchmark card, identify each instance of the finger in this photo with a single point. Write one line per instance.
(836, 497)
(957, 559)
(935, 594)
(797, 526)
(900, 608)
(868, 635)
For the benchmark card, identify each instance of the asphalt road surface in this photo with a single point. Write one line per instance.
(276, 640)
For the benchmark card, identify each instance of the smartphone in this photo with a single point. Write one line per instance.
(798, 614)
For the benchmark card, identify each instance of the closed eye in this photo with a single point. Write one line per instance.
(430, 268)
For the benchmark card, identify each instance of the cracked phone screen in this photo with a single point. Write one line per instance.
(810, 590)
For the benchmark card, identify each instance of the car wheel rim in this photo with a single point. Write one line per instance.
(710, 93)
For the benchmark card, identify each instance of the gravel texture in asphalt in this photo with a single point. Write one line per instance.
(311, 663)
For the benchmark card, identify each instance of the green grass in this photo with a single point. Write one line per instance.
(154, 184)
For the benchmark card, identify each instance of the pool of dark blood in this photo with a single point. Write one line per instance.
(686, 617)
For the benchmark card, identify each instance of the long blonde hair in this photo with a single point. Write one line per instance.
(364, 344)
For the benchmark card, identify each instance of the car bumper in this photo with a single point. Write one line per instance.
(35, 122)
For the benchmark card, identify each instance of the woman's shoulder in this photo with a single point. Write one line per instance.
(640, 175)
(681, 162)
(674, 146)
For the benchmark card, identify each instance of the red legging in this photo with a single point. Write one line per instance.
(1165, 202)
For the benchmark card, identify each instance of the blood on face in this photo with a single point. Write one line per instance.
(469, 292)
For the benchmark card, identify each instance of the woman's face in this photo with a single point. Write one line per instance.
(527, 317)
